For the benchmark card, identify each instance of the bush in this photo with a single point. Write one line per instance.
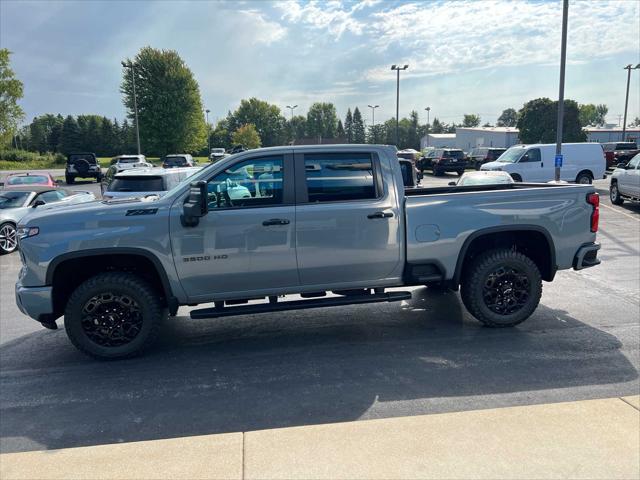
(14, 159)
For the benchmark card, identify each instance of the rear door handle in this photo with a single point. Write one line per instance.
(275, 221)
(380, 215)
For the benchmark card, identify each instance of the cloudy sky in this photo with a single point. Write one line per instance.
(464, 56)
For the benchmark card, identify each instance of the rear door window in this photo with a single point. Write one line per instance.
(339, 177)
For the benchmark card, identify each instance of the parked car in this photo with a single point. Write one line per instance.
(412, 156)
(140, 182)
(330, 218)
(625, 182)
(582, 162)
(82, 165)
(217, 154)
(19, 180)
(619, 152)
(424, 162)
(485, 177)
(481, 155)
(178, 160)
(124, 162)
(17, 202)
(448, 160)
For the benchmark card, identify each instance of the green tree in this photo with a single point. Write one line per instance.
(70, 140)
(436, 126)
(247, 136)
(348, 126)
(376, 134)
(508, 118)
(591, 114)
(220, 135)
(636, 122)
(413, 133)
(107, 139)
(471, 120)
(11, 90)
(169, 104)
(322, 120)
(127, 138)
(44, 133)
(359, 135)
(297, 127)
(340, 130)
(267, 119)
(537, 122)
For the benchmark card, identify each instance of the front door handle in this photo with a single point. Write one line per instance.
(380, 215)
(275, 221)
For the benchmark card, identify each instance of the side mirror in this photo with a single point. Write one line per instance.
(622, 165)
(196, 205)
(37, 203)
(452, 184)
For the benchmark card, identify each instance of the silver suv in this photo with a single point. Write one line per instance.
(625, 182)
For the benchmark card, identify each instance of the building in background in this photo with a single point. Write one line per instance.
(612, 134)
(468, 138)
(438, 140)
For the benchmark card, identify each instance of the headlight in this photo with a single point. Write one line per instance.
(26, 232)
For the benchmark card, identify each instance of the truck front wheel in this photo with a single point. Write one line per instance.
(113, 315)
(501, 288)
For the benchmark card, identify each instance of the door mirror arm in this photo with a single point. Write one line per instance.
(196, 205)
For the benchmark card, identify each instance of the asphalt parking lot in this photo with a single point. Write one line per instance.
(423, 356)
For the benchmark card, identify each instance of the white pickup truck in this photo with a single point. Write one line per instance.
(334, 224)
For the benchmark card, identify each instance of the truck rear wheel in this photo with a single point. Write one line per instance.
(501, 288)
(614, 194)
(113, 315)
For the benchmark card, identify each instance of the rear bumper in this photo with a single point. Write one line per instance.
(449, 166)
(586, 256)
(37, 302)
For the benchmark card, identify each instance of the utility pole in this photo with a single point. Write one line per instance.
(135, 101)
(208, 133)
(292, 108)
(563, 61)
(628, 68)
(373, 122)
(293, 133)
(397, 68)
(428, 109)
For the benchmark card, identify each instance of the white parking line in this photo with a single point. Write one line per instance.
(621, 213)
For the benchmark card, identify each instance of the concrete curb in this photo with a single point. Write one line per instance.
(586, 439)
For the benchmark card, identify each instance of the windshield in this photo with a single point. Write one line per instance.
(217, 150)
(129, 160)
(28, 180)
(13, 199)
(626, 146)
(137, 184)
(82, 156)
(175, 161)
(511, 156)
(453, 154)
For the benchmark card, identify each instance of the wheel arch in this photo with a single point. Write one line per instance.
(522, 237)
(69, 270)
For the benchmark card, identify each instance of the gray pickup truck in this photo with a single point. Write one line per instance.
(333, 224)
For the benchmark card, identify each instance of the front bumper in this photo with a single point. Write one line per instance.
(37, 302)
(586, 256)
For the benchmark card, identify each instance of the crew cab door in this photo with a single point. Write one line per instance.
(348, 226)
(629, 180)
(246, 241)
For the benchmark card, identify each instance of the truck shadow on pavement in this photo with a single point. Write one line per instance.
(309, 367)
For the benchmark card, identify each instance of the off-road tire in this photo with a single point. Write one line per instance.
(516, 177)
(147, 298)
(476, 276)
(614, 194)
(437, 172)
(69, 179)
(83, 167)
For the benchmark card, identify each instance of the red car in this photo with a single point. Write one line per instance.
(17, 180)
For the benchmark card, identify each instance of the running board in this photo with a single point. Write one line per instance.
(299, 305)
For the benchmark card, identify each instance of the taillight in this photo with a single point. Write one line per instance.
(594, 200)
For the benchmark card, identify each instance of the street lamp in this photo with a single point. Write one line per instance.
(135, 101)
(292, 108)
(628, 68)
(563, 61)
(208, 133)
(428, 109)
(397, 68)
(373, 121)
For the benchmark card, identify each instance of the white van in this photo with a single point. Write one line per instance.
(581, 163)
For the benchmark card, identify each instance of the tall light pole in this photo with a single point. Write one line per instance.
(428, 109)
(208, 133)
(373, 121)
(563, 61)
(397, 68)
(292, 108)
(135, 101)
(628, 68)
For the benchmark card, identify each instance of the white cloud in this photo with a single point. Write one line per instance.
(330, 16)
(262, 30)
